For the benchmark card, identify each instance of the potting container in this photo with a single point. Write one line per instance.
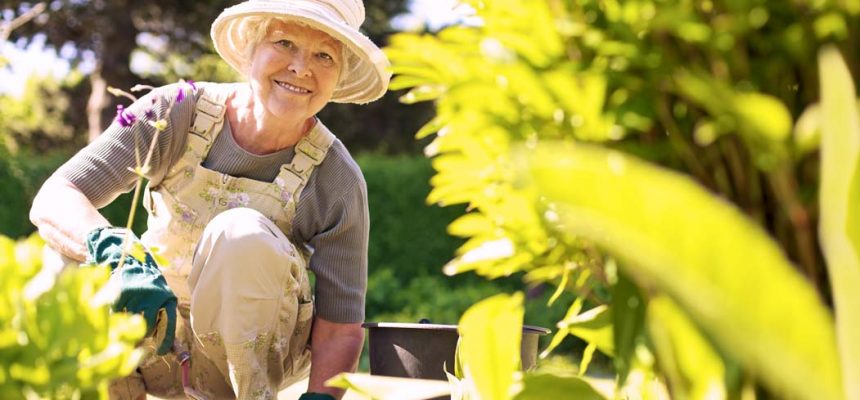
(426, 350)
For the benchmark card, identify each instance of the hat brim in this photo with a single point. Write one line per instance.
(365, 80)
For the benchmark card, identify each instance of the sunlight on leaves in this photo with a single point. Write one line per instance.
(58, 343)
(703, 253)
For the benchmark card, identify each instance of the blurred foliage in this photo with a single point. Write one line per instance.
(21, 176)
(39, 119)
(709, 89)
(57, 339)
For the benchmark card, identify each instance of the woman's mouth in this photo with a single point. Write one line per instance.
(292, 88)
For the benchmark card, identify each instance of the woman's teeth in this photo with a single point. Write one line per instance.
(292, 88)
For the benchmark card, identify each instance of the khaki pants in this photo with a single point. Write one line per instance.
(248, 323)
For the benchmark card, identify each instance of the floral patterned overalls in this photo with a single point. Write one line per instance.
(180, 207)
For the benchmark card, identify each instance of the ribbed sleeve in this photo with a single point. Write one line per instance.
(101, 170)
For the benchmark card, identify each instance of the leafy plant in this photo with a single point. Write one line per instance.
(58, 338)
(658, 258)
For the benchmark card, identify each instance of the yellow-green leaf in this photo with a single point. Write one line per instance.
(692, 367)
(840, 206)
(548, 386)
(593, 326)
(712, 260)
(763, 114)
(490, 340)
(807, 130)
(390, 388)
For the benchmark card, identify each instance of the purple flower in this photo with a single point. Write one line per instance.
(150, 112)
(180, 96)
(124, 117)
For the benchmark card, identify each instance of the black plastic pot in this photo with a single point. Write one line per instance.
(425, 350)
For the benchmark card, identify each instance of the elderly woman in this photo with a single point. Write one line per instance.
(247, 189)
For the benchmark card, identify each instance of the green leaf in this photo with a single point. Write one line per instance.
(705, 254)
(390, 388)
(587, 355)
(422, 93)
(763, 114)
(628, 322)
(593, 326)
(491, 335)
(548, 386)
(807, 130)
(692, 366)
(472, 224)
(839, 229)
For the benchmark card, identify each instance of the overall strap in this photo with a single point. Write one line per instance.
(207, 121)
(310, 152)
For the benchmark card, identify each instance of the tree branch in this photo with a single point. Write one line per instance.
(7, 28)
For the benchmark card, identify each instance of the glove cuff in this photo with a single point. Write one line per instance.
(316, 396)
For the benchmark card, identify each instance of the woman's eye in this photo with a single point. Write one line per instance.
(326, 59)
(285, 43)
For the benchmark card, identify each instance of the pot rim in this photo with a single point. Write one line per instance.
(442, 327)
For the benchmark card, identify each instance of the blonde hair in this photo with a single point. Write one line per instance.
(253, 29)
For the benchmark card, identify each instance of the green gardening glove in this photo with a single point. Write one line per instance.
(316, 396)
(143, 290)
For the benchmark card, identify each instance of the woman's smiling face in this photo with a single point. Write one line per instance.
(294, 70)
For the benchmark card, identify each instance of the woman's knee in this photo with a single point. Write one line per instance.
(243, 244)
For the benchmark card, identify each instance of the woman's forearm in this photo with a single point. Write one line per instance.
(334, 349)
(64, 216)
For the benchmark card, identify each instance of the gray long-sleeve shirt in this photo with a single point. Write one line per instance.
(331, 215)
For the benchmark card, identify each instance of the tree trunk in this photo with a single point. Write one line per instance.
(115, 42)
(96, 103)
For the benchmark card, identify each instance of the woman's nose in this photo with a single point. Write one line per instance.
(299, 65)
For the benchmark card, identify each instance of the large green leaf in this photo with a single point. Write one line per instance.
(548, 386)
(840, 206)
(725, 272)
(490, 341)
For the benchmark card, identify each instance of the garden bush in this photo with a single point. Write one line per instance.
(699, 269)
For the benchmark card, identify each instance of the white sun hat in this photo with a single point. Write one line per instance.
(366, 76)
